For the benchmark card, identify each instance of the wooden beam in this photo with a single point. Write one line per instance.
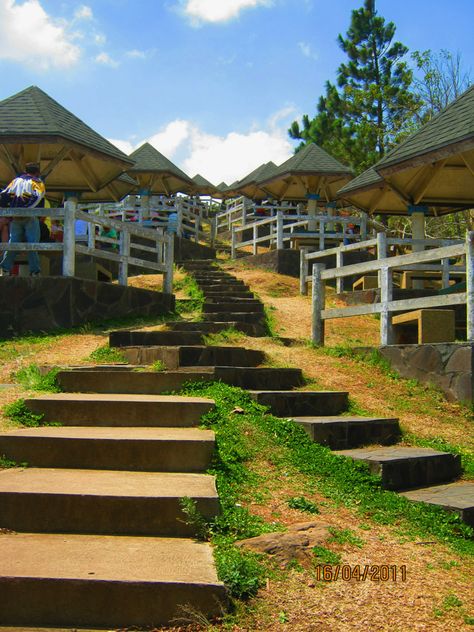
(469, 162)
(424, 179)
(164, 180)
(62, 153)
(11, 159)
(376, 198)
(115, 194)
(400, 193)
(86, 171)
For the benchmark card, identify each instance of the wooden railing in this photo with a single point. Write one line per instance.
(158, 244)
(284, 227)
(385, 267)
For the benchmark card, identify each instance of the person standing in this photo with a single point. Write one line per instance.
(25, 191)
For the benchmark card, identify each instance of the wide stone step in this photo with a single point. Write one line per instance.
(227, 294)
(102, 501)
(302, 403)
(240, 306)
(144, 381)
(105, 581)
(340, 433)
(76, 409)
(248, 317)
(224, 288)
(457, 497)
(227, 284)
(174, 357)
(133, 338)
(133, 449)
(259, 378)
(403, 467)
(208, 327)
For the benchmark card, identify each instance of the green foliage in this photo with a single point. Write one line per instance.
(344, 536)
(270, 321)
(19, 413)
(371, 357)
(229, 335)
(303, 504)
(194, 518)
(195, 296)
(32, 378)
(241, 571)
(8, 463)
(158, 366)
(325, 556)
(108, 355)
(362, 117)
(341, 479)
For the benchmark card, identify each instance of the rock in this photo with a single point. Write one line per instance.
(294, 544)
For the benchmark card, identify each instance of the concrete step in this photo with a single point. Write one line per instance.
(228, 294)
(175, 357)
(218, 287)
(105, 581)
(221, 283)
(229, 306)
(248, 317)
(403, 467)
(134, 338)
(102, 501)
(340, 433)
(70, 409)
(132, 382)
(259, 378)
(133, 449)
(208, 327)
(191, 264)
(457, 497)
(302, 403)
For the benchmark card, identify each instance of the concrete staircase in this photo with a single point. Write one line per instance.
(99, 538)
(95, 535)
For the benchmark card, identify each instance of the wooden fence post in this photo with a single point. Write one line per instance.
(213, 231)
(125, 251)
(363, 226)
(279, 240)
(69, 239)
(381, 251)
(255, 237)
(386, 295)
(318, 300)
(179, 211)
(470, 285)
(169, 261)
(339, 280)
(304, 271)
(233, 240)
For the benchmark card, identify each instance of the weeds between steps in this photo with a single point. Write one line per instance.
(195, 300)
(245, 431)
(107, 355)
(20, 414)
(33, 379)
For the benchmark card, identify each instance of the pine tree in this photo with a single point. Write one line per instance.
(366, 113)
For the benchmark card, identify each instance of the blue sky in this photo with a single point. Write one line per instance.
(213, 84)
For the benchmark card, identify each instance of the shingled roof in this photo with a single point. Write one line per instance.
(203, 184)
(366, 180)
(33, 116)
(438, 138)
(149, 160)
(312, 159)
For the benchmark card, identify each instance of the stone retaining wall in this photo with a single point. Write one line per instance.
(449, 366)
(49, 303)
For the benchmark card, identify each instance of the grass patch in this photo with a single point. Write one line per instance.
(372, 358)
(270, 321)
(226, 336)
(302, 504)
(31, 378)
(344, 536)
(325, 556)
(195, 296)
(344, 481)
(107, 355)
(20, 414)
(8, 463)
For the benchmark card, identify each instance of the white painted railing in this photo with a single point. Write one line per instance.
(385, 268)
(159, 244)
(289, 227)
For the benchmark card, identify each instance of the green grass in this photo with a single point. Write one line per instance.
(344, 536)
(229, 335)
(8, 463)
(107, 355)
(325, 556)
(303, 504)
(20, 414)
(31, 378)
(195, 296)
(241, 437)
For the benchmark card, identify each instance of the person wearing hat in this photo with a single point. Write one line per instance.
(25, 191)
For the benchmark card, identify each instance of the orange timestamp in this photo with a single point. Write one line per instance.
(361, 572)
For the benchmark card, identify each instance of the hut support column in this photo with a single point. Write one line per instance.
(69, 240)
(418, 230)
(312, 210)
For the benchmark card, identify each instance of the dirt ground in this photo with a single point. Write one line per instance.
(437, 593)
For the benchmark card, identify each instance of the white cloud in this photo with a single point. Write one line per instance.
(229, 157)
(136, 54)
(30, 36)
(106, 60)
(307, 50)
(99, 39)
(216, 11)
(124, 145)
(83, 13)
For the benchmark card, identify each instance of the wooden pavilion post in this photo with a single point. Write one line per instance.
(69, 239)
